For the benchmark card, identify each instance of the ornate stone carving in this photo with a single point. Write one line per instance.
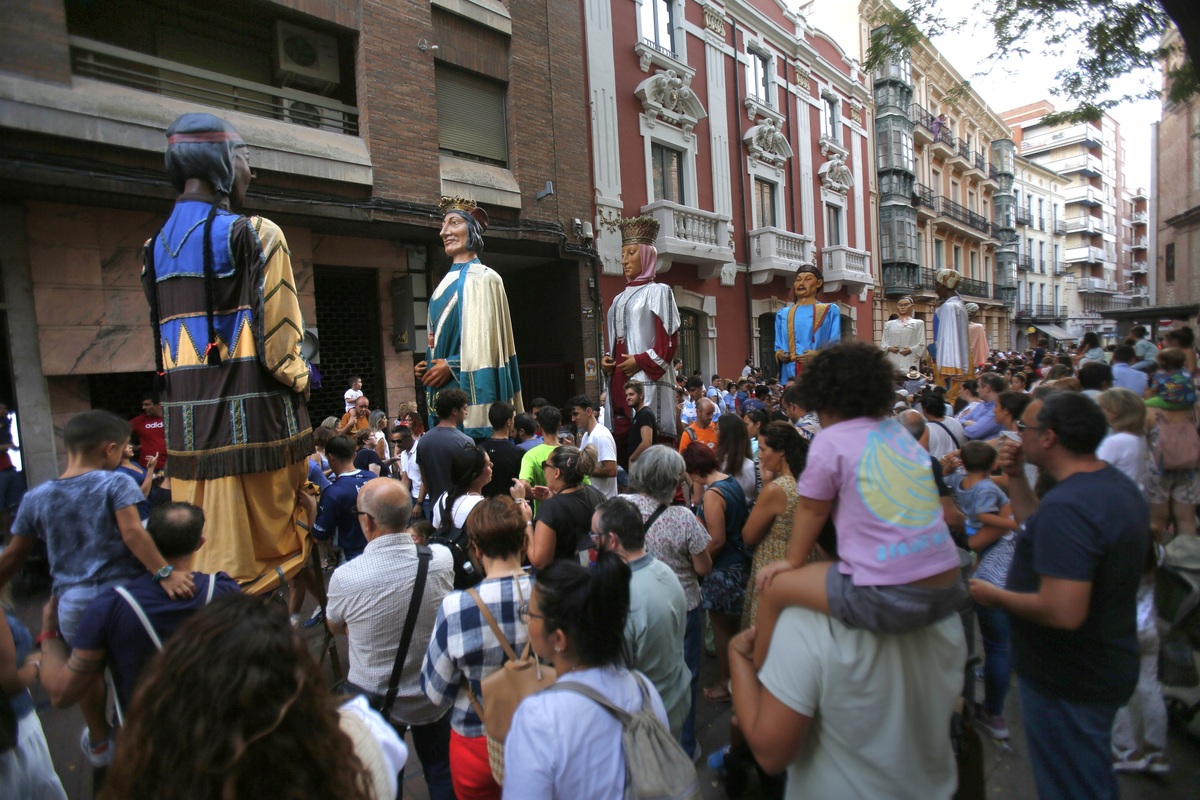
(728, 274)
(666, 95)
(714, 20)
(856, 113)
(767, 144)
(608, 219)
(835, 175)
(803, 77)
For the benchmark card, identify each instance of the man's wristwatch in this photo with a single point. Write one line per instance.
(163, 573)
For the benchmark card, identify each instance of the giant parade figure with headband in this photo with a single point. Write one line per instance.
(643, 332)
(227, 329)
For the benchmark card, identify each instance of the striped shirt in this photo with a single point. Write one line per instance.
(463, 643)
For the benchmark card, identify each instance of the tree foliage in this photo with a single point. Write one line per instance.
(1106, 40)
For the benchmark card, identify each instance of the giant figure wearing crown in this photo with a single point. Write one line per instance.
(227, 329)
(471, 343)
(643, 332)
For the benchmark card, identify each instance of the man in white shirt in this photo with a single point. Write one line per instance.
(806, 714)
(946, 434)
(583, 414)
(369, 599)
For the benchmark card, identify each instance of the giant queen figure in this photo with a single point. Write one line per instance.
(227, 330)
(471, 344)
(643, 332)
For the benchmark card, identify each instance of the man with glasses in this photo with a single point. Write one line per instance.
(1071, 594)
(338, 517)
(657, 608)
(369, 599)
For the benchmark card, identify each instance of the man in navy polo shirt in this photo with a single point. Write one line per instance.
(337, 513)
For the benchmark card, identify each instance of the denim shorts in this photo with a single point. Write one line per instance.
(892, 609)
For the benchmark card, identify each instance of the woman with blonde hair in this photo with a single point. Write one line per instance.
(1125, 445)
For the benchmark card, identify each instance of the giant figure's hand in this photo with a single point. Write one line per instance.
(783, 357)
(437, 375)
(806, 356)
(629, 366)
(419, 370)
(608, 365)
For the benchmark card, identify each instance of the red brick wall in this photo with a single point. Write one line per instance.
(33, 40)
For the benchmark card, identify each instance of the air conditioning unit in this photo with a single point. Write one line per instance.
(310, 115)
(305, 58)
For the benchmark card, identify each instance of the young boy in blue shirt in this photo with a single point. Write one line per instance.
(94, 538)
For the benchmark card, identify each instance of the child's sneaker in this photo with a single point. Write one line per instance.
(1130, 763)
(98, 755)
(1157, 764)
(994, 726)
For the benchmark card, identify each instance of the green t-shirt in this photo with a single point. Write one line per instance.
(531, 468)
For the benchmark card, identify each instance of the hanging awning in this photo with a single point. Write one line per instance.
(1055, 332)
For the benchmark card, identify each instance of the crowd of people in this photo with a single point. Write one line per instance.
(828, 538)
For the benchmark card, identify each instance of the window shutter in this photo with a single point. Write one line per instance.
(471, 118)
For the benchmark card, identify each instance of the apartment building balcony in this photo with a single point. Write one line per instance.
(1041, 312)
(1005, 292)
(1088, 165)
(944, 144)
(1085, 133)
(1140, 194)
(775, 252)
(1140, 218)
(1096, 286)
(691, 235)
(925, 201)
(1023, 216)
(963, 219)
(1061, 269)
(1060, 227)
(1085, 195)
(1139, 291)
(970, 287)
(1140, 268)
(1084, 224)
(923, 128)
(1024, 263)
(1140, 243)
(1086, 255)
(846, 268)
(126, 99)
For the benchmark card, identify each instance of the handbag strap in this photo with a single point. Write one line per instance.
(141, 615)
(424, 554)
(658, 512)
(491, 621)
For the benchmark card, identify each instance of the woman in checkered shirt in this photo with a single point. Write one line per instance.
(464, 644)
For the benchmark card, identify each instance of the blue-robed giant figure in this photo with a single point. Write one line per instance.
(806, 325)
(470, 332)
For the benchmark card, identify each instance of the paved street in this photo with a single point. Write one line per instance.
(1007, 769)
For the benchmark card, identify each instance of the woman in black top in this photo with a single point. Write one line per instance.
(564, 522)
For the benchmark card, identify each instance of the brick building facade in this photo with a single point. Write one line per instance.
(358, 116)
(748, 135)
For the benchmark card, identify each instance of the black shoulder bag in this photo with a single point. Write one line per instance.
(383, 702)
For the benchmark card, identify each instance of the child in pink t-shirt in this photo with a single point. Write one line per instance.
(899, 568)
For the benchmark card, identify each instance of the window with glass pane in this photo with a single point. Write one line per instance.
(831, 118)
(957, 259)
(668, 173)
(764, 196)
(937, 254)
(657, 22)
(760, 78)
(974, 264)
(833, 225)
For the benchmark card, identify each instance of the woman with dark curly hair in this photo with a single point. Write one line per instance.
(235, 707)
(899, 570)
